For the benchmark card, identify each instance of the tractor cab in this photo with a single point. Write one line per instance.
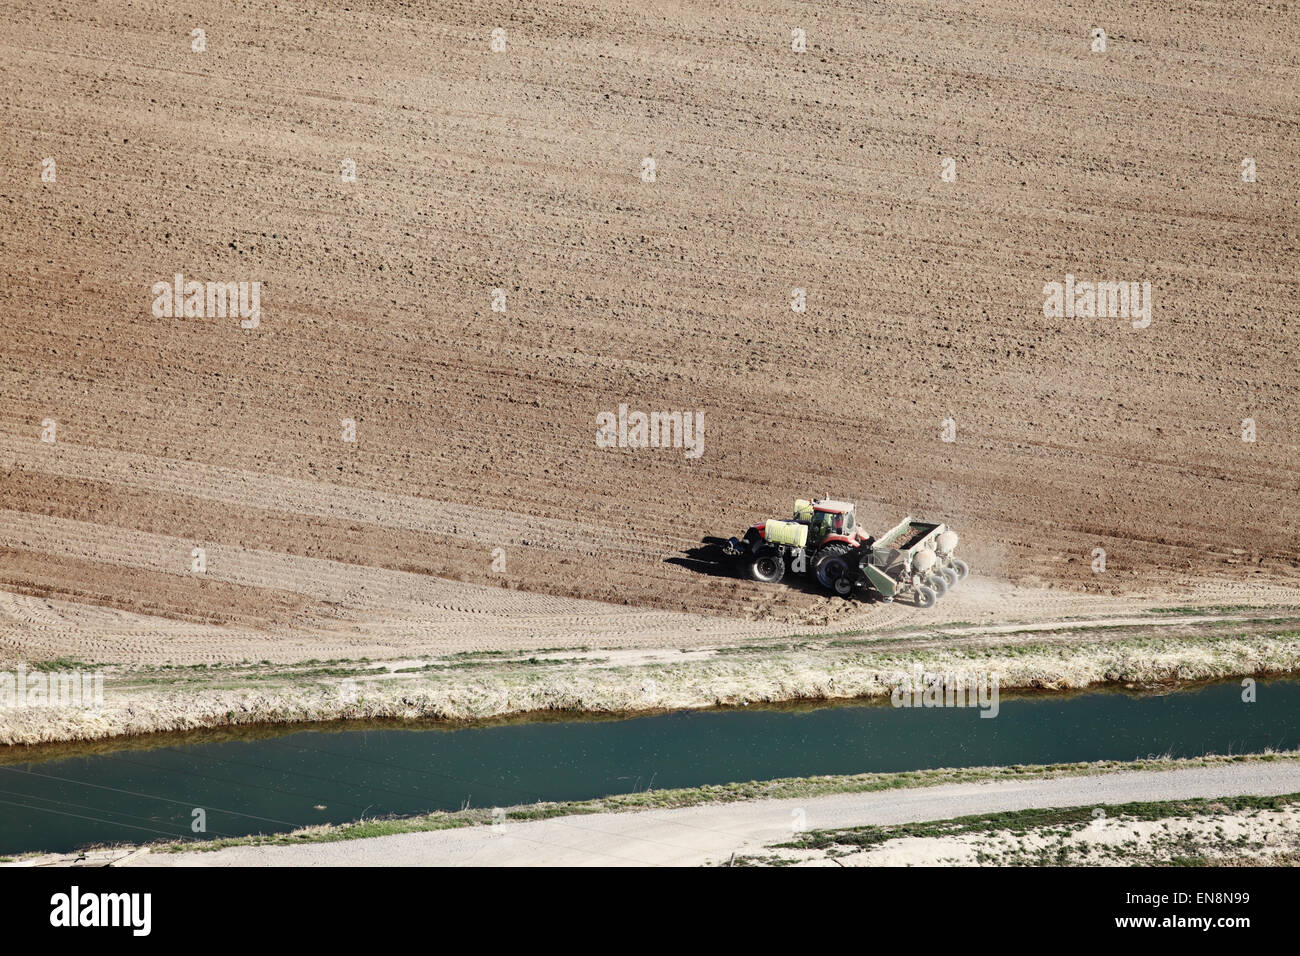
(826, 517)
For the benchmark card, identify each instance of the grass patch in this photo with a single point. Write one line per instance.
(60, 664)
(1021, 822)
(1210, 609)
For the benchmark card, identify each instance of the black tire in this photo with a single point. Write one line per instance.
(833, 571)
(767, 566)
(826, 572)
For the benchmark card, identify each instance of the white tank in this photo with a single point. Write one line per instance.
(924, 560)
(947, 542)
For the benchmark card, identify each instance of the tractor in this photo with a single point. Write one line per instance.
(820, 530)
(823, 537)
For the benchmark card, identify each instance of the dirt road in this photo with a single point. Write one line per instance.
(522, 171)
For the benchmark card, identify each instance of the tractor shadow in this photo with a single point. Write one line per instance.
(710, 559)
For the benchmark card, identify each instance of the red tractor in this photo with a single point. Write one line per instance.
(818, 537)
(915, 557)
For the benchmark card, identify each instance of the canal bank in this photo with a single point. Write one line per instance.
(1165, 651)
(1112, 803)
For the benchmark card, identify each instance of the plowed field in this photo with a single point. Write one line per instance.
(517, 178)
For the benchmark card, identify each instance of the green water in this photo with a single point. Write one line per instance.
(274, 783)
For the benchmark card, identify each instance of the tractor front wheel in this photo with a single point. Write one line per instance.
(833, 571)
(767, 566)
(829, 565)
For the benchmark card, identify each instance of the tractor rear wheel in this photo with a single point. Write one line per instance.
(925, 596)
(826, 571)
(767, 566)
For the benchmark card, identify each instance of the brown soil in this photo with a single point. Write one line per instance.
(476, 429)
